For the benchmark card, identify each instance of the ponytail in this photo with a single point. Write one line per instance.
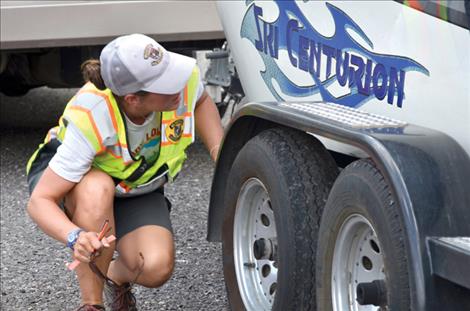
(91, 72)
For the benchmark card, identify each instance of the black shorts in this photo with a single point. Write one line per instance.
(147, 209)
(129, 213)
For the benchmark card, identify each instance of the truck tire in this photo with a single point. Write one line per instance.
(276, 190)
(361, 255)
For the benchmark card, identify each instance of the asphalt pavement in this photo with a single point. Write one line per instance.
(33, 273)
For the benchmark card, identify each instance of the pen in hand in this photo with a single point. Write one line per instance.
(104, 230)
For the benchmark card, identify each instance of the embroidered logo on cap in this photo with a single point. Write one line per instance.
(174, 131)
(155, 53)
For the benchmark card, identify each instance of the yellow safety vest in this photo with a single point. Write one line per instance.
(97, 115)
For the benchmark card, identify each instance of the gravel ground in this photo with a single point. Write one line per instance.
(33, 275)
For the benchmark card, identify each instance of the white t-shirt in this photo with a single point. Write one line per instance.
(75, 155)
(144, 139)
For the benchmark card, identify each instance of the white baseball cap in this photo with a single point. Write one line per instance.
(136, 62)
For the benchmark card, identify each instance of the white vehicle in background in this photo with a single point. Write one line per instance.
(342, 182)
(45, 42)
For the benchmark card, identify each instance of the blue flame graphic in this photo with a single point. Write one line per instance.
(340, 41)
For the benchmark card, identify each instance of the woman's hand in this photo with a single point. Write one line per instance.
(88, 243)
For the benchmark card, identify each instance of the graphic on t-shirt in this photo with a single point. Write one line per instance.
(149, 146)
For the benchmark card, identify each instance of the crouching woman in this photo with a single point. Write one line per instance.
(119, 140)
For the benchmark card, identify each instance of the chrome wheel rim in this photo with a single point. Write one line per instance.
(254, 222)
(357, 258)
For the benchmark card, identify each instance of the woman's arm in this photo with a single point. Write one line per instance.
(208, 124)
(44, 209)
(43, 206)
(67, 167)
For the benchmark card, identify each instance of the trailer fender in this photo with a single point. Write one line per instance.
(427, 170)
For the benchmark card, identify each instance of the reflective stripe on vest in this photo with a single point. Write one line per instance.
(96, 114)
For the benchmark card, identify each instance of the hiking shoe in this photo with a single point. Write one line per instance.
(87, 307)
(120, 297)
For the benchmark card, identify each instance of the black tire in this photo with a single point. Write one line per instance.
(362, 190)
(297, 172)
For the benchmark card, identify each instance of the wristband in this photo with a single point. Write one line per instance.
(72, 237)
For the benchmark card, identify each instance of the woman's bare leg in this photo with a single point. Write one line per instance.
(157, 247)
(88, 205)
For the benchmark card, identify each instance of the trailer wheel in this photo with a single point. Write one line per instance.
(361, 256)
(276, 189)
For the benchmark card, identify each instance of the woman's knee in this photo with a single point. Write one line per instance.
(95, 192)
(157, 270)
